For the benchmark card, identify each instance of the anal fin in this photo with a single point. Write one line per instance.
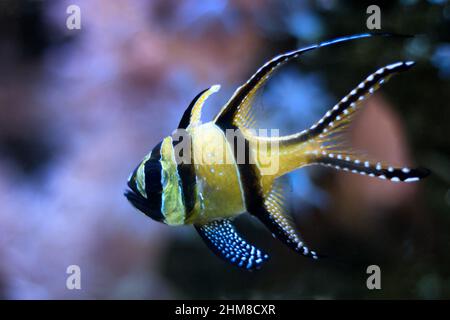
(280, 224)
(223, 239)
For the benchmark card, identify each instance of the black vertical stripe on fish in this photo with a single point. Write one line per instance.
(151, 205)
(248, 172)
(186, 172)
(228, 113)
(255, 203)
(153, 181)
(372, 169)
(350, 102)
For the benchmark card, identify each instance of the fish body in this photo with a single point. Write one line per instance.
(206, 174)
(217, 178)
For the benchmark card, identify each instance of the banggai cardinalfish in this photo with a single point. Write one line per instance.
(218, 179)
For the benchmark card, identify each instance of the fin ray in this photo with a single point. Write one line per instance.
(359, 164)
(223, 239)
(280, 223)
(191, 116)
(339, 117)
(234, 111)
(327, 137)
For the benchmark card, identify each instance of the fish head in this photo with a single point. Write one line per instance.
(145, 189)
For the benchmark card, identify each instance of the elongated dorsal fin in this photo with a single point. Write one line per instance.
(237, 107)
(191, 117)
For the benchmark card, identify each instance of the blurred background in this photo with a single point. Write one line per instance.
(80, 108)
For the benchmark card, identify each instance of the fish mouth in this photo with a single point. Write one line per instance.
(142, 204)
(136, 200)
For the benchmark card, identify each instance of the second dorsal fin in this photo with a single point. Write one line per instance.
(236, 112)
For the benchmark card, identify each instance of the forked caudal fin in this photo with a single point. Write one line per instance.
(324, 143)
(327, 132)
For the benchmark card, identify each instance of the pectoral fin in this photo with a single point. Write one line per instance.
(222, 238)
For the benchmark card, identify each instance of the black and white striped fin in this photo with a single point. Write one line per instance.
(341, 114)
(355, 164)
(223, 239)
(237, 108)
(280, 224)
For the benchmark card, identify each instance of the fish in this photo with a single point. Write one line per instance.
(201, 175)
